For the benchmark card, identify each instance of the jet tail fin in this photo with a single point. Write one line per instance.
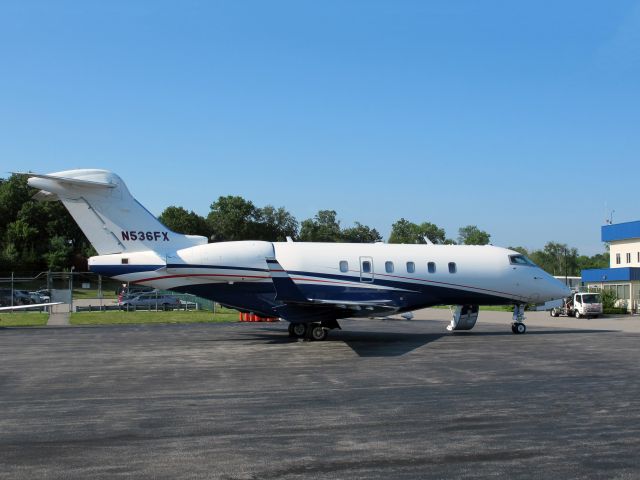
(112, 220)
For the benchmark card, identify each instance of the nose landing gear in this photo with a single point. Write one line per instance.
(518, 326)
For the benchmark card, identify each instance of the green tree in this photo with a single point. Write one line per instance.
(360, 234)
(472, 235)
(599, 260)
(21, 240)
(324, 227)
(14, 193)
(180, 220)
(274, 224)
(609, 298)
(232, 218)
(59, 254)
(557, 259)
(404, 231)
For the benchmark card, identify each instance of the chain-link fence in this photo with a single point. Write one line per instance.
(83, 291)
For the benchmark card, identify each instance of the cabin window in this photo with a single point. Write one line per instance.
(628, 258)
(366, 266)
(431, 267)
(452, 267)
(125, 261)
(388, 267)
(344, 266)
(411, 267)
(617, 258)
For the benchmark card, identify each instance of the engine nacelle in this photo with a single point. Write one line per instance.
(464, 318)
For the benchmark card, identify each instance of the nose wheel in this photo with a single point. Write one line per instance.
(518, 327)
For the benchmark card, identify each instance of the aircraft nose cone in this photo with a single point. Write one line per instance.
(558, 290)
(552, 288)
(564, 291)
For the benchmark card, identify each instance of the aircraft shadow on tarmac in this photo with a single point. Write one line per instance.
(395, 344)
(365, 344)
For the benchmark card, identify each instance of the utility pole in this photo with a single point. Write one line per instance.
(565, 267)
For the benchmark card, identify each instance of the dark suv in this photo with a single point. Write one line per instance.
(20, 297)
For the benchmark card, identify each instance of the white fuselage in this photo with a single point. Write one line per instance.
(233, 272)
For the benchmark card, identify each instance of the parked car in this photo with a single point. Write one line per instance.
(20, 297)
(5, 297)
(151, 300)
(23, 296)
(133, 291)
(44, 294)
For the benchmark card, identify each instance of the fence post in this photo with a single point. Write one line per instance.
(71, 289)
(100, 290)
(12, 292)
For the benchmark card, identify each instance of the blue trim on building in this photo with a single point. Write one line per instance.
(620, 231)
(624, 274)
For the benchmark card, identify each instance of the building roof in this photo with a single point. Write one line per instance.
(621, 231)
(611, 274)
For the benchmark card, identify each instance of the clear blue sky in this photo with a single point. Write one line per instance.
(520, 117)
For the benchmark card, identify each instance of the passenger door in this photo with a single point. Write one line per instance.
(366, 269)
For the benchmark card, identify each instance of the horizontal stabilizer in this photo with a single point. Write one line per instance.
(79, 182)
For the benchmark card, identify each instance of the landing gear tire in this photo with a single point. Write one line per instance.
(297, 330)
(317, 332)
(518, 328)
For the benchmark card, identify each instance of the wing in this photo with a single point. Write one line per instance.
(24, 307)
(297, 306)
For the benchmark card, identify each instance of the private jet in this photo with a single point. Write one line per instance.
(309, 285)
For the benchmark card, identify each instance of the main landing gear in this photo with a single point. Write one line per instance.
(518, 326)
(315, 331)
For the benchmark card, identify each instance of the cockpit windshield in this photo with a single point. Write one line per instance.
(521, 260)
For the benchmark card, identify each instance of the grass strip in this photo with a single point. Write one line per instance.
(23, 319)
(122, 317)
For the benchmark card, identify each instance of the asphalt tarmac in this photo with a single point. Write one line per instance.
(380, 399)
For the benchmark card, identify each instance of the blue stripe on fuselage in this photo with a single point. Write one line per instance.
(216, 267)
(119, 269)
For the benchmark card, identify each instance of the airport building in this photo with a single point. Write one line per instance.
(623, 274)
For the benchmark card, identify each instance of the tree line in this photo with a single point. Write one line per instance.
(37, 236)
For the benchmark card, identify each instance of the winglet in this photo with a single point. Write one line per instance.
(286, 290)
